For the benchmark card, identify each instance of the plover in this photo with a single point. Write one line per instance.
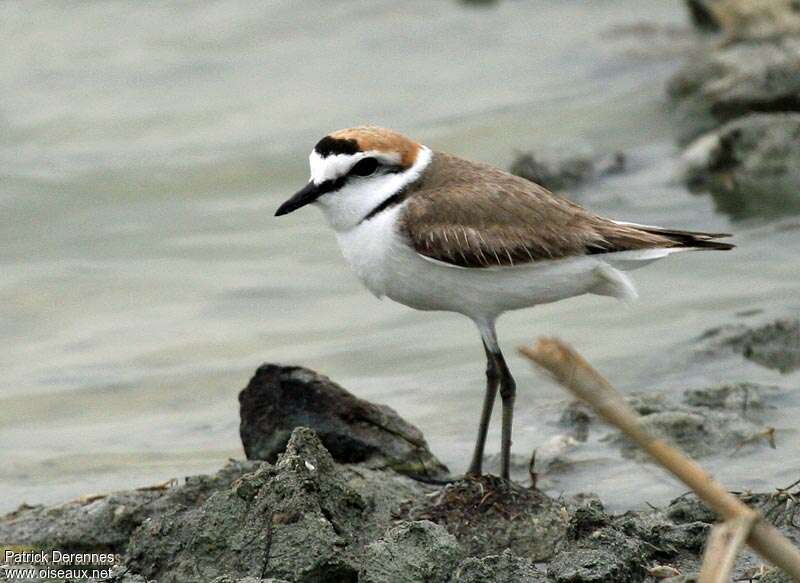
(437, 232)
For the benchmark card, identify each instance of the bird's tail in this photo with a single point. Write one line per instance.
(691, 239)
(685, 239)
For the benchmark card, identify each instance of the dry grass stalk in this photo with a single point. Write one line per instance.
(570, 370)
(724, 543)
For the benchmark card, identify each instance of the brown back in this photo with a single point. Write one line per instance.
(474, 215)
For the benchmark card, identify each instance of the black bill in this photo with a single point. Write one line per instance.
(306, 195)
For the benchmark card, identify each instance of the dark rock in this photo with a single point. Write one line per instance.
(488, 515)
(503, 568)
(587, 518)
(104, 523)
(775, 576)
(775, 345)
(734, 81)
(589, 528)
(577, 417)
(568, 173)
(689, 508)
(751, 166)
(227, 579)
(702, 16)
(742, 397)
(300, 520)
(746, 19)
(590, 566)
(119, 574)
(697, 432)
(710, 420)
(649, 403)
(280, 398)
(665, 539)
(412, 552)
(601, 547)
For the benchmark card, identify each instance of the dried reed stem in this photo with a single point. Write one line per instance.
(571, 371)
(724, 543)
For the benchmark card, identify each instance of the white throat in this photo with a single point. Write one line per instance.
(344, 209)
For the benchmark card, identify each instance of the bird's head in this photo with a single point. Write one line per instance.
(355, 170)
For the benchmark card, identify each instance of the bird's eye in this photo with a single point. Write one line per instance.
(364, 167)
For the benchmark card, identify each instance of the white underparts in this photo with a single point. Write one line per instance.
(612, 282)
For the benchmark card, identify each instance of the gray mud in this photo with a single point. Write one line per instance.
(306, 517)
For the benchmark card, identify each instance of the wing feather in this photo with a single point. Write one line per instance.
(506, 220)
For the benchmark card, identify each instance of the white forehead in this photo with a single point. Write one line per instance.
(332, 167)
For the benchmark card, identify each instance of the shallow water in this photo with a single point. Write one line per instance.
(146, 146)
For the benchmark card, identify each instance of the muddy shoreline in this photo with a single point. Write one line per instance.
(352, 493)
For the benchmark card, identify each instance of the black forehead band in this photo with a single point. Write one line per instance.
(329, 146)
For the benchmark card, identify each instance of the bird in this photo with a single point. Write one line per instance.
(434, 231)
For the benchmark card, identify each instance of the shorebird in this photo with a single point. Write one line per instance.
(437, 232)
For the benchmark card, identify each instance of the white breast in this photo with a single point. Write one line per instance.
(369, 248)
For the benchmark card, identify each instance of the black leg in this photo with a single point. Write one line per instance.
(492, 380)
(508, 392)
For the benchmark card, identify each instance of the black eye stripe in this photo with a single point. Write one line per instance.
(333, 185)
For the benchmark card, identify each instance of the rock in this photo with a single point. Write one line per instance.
(489, 515)
(702, 16)
(689, 508)
(280, 398)
(733, 81)
(577, 417)
(227, 579)
(750, 166)
(742, 397)
(743, 19)
(775, 345)
(589, 566)
(568, 173)
(602, 547)
(104, 523)
(663, 536)
(302, 519)
(775, 576)
(648, 403)
(697, 432)
(412, 552)
(119, 574)
(479, 3)
(503, 568)
(708, 421)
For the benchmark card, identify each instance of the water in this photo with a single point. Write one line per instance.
(144, 148)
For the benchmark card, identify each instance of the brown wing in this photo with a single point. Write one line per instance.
(474, 215)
